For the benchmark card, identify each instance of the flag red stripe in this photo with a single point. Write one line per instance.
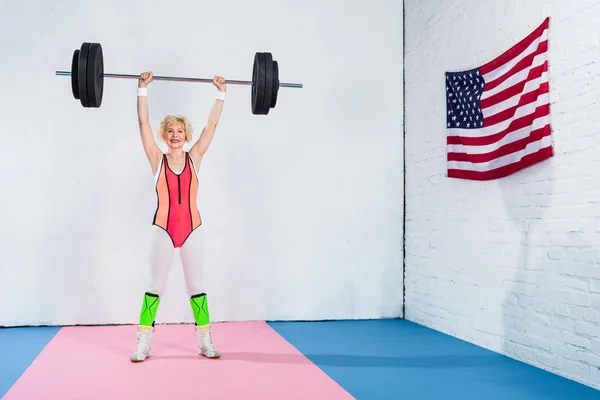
(518, 67)
(525, 99)
(517, 124)
(515, 50)
(508, 148)
(506, 170)
(534, 73)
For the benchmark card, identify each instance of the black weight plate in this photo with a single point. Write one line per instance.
(268, 83)
(275, 84)
(95, 78)
(74, 75)
(82, 74)
(254, 83)
(258, 84)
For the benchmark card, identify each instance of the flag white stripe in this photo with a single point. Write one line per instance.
(522, 133)
(503, 161)
(522, 111)
(502, 69)
(520, 76)
(513, 101)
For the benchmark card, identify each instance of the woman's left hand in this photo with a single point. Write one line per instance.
(219, 82)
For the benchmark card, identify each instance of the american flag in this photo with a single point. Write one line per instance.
(498, 115)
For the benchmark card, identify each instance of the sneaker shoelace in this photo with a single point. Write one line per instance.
(143, 342)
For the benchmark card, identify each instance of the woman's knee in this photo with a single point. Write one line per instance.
(194, 284)
(160, 260)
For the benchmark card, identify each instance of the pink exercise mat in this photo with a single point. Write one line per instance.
(93, 363)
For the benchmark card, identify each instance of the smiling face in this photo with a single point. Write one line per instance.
(175, 130)
(175, 135)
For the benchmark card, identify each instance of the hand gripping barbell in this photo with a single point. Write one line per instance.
(87, 78)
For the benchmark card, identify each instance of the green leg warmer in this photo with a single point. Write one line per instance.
(148, 314)
(200, 309)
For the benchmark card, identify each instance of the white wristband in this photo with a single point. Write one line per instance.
(142, 91)
(221, 95)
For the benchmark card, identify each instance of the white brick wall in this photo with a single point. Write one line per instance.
(512, 265)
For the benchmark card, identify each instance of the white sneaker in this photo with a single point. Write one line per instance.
(142, 350)
(205, 345)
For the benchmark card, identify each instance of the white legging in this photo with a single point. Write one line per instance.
(161, 259)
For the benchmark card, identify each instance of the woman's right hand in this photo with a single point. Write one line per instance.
(145, 79)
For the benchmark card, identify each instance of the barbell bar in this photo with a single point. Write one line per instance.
(87, 78)
(182, 79)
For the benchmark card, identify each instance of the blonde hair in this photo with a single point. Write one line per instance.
(170, 120)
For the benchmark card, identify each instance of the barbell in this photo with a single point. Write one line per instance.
(87, 78)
